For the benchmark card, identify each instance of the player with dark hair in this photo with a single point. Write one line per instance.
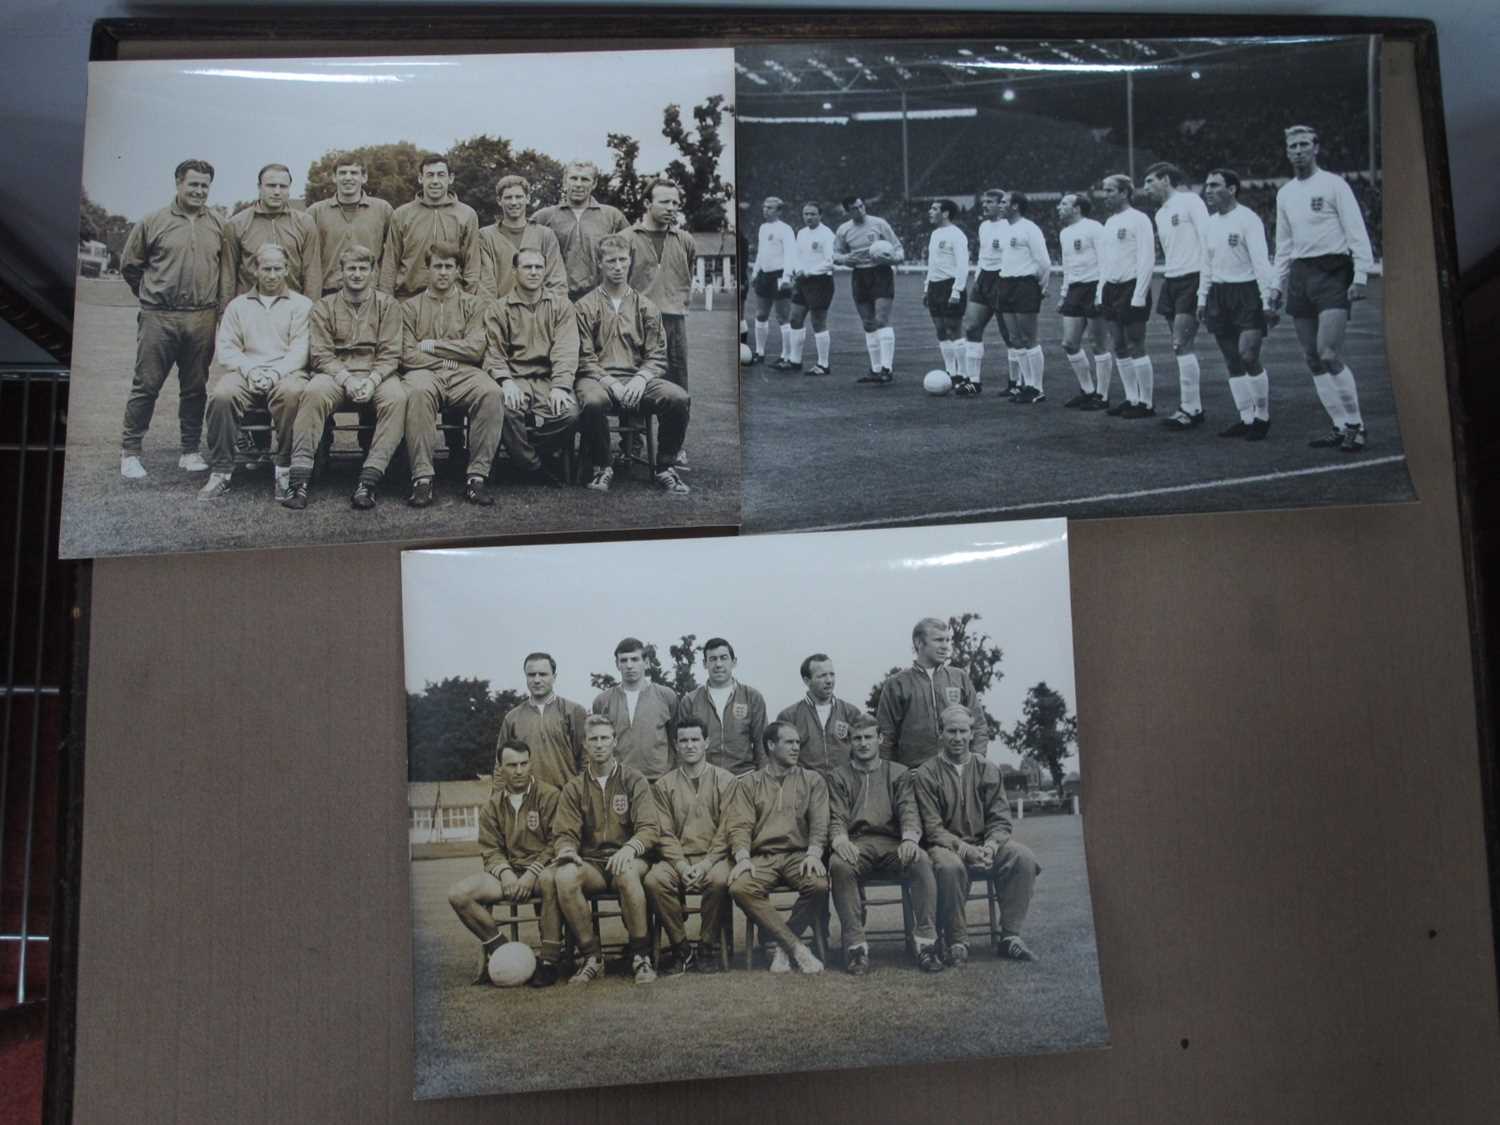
(271, 218)
(641, 711)
(662, 270)
(912, 699)
(983, 295)
(771, 278)
(776, 829)
(511, 233)
(435, 215)
(442, 346)
(733, 714)
(823, 720)
(1025, 270)
(551, 725)
(966, 825)
(1126, 263)
(943, 287)
(579, 222)
(1081, 240)
(1323, 259)
(1182, 226)
(690, 804)
(348, 217)
(1234, 297)
(869, 246)
(812, 291)
(515, 851)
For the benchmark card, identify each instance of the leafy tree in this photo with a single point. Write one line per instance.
(682, 658)
(705, 194)
(95, 224)
(973, 652)
(625, 184)
(478, 163)
(392, 172)
(1045, 731)
(451, 727)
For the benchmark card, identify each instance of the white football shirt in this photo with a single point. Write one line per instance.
(1235, 251)
(815, 251)
(1024, 253)
(948, 255)
(1318, 216)
(776, 248)
(1181, 223)
(1128, 253)
(1080, 250)
(993, 234)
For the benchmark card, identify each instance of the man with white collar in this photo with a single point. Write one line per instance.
(873, 282)
(691, 801)
(263, 342)
(823, 721)
(551, 725)
(733, 714)
(579, 222)
(663, 260)
(435, 215)
(271, 218)
(1127, 259)
(1182, 226)
(511, 233)
(1025, 270)
(966, 824)
(771, 278)
(912, 699)
(642, 713)
(515, 849)
(983, 297)
(776, 829)
(348, 217)
(605, 825)
(1081, 240)
(943, 288)
(876, 827)
(812, 291)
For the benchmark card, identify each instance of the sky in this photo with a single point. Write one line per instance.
(145, 117)
(776, 598)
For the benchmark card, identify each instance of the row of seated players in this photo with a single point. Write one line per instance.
(526, 368)
(742, 832)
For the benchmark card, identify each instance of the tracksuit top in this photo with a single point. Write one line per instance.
(643, 743)
(554, 733)
(366, 222)
(1080, 251)
(911, 702)
(598, 821)
(622, 344)
(1235, 251)
(857, 238)
(1181, 223)
(457, 323)
(665, 275)
(536, 342)
(773, 816)
(293, 231)
(498, 248)
(519, 840)
(874, 802)
(363, 340)
(735, 742)
(256, 332)
(964, 805)
(172, 260)
(690, 815)
(824, 747)
(415, 226)
(1318, 216)
(578, 235)
(1128, 253)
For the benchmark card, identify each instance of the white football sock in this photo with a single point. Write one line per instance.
(887, 345)
(946, 347)
(1080, 365)
(1128, 378)
(1103, 373)
(1260, 388)
(1244, 397)
(795, 342)
(786, 338)
(762, 330)
(1348, 394)
(1188, 400)
(1328, 395)
(1013, 358)
(822, 339)
(974, 361)
(1036, 365)
(872, 345)
(1145, 378)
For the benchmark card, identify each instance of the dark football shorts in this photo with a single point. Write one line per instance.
(766, 284)
(939, 298)
(1021, 295)
(985, 289)
(1233, 307)
(1080, 299)
(1178, 296)
(873, 283)
(814, 292)
(1319, 284)
(1116, 304)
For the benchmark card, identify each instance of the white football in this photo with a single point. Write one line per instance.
(882, 250)
(745, 353)
(512, 964)
(937, 382)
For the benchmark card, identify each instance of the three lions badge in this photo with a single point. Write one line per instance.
(620, 804)
(533, 821)
(741, 711)
(953, 695)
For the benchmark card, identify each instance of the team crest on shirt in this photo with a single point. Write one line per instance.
(741, 711)
(620, 804)
(1014, 242)
(994, 244)
(1234, 240)
(1078, 244)
(952, 694)
(533, 820)
(816, 245)
(1175, 219)
(1120, 234)
(1317, 203)
(840, 729)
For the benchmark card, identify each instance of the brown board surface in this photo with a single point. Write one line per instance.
(1283, 815)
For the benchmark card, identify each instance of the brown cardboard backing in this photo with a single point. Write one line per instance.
(1282, 806)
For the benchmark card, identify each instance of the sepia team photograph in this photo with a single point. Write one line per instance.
(1070, 277)
(343, 300)
(819, 808)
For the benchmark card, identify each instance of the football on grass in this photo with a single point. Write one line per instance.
(937, 382)
(512, 964)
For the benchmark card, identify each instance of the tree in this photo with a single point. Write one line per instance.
(95, 224)
(624, 184)
(973, 652)
(682, 660)
(705, 194)
(1045, 731)
(451, 728)
(684, 656)
(477, 164)
(392, 172)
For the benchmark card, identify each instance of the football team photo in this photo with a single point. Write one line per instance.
(344, 300)
(819, 808)
(1075, 277)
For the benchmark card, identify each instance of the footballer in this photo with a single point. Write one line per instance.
(857, 244)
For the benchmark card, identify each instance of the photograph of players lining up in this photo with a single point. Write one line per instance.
(1103, 232)
(530, 308)
(607, 808)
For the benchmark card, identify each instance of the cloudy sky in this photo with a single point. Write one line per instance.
(145, 117)
(777, 598)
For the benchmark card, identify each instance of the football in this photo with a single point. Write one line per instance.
(512, 964)
(937, 382)
(745, 353)
(881, 250)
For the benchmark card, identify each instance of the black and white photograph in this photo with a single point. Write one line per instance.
(1073, 277)
(814, 805)
(328, 301)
